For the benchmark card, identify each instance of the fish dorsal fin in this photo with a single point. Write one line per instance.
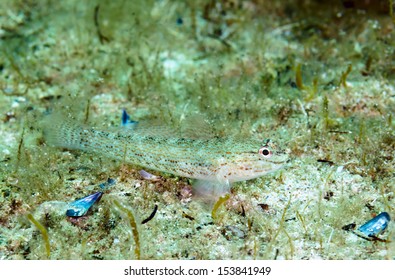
(146, 127)
(197, 127)
(155, 129)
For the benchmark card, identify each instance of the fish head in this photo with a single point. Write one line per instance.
(253, 161)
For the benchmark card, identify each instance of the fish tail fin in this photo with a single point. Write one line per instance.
(62, 132)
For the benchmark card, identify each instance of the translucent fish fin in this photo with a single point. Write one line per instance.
(197, 127)
(210, 191)
(150, 128)
(192, 127)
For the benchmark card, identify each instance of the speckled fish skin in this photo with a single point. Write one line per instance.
(221, 160)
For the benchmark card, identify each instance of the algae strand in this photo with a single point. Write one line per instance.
(43, 231)
(133, 226)
(217, 204)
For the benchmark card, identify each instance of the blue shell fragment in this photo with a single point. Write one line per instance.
(81, 206)
(125, 119)
(376, 225)
(110, 182)
(179, 21)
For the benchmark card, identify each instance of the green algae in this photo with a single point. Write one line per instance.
(133, 225)
(43, 231)
(218, 204)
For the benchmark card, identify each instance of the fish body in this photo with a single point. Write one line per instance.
(215, 159)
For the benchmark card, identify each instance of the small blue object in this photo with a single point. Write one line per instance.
(125, 119)
(110, 182)
(376, 225)
(179, 21)
(81, 206)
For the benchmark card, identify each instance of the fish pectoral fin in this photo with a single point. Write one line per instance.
(210, 191)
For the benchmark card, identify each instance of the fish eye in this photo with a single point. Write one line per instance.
(265, 152)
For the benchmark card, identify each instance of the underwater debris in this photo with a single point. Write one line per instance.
(189, 217)
(151, 216)
(326, 161)
(110, 182)
(233, 231)
(81, 206)
(375, 226)
(179, 21)
(264, 206)
(349, 227)
(371, 228)
(43, 231)
(125, 119)
(328, 195)
(148, 176)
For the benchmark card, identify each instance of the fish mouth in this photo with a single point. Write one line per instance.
(279, 159)
(284, 164)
